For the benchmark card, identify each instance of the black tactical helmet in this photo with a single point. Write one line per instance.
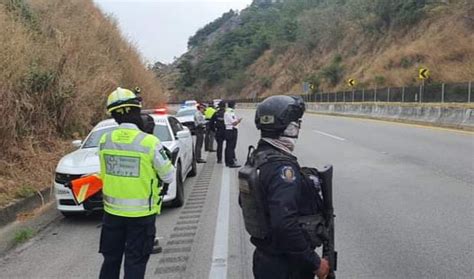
(275, 113)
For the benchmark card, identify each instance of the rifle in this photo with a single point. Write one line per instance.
(328, 245)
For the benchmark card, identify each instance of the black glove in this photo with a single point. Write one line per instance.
(164, 190)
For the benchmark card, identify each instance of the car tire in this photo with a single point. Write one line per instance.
(193, 171)
(179, 200)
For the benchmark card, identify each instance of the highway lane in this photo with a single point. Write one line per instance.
(403, 197)
(403, 194)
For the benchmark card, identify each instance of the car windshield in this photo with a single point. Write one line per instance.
(186, 112)
(94, 137)
(162, 132)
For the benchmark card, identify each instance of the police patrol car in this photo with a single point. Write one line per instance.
(176, 139)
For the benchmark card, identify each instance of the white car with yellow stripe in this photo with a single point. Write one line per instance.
(176, 139)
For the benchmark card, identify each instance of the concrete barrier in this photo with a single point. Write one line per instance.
(446, 115)
(10, 212)
(443, 115)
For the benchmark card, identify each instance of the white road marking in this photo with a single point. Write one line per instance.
(329, 135)
(221, 237)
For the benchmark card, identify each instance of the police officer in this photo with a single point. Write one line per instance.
(200, 123)
(231, 121)
(210, 133)
(218, 125)
(133, 165)
(283, 248)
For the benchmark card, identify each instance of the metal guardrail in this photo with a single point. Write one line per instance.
(428, 93)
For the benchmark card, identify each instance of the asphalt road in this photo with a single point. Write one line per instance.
(403, 200)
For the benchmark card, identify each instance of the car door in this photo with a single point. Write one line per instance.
(184, 144)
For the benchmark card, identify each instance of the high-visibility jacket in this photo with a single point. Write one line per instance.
(209, 112)
(131, 185)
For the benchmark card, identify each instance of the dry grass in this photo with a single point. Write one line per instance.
(55, 73)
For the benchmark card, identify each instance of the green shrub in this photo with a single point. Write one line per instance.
(315, 80)
(24, 191)
(23, 11)
(266, 82)
(334, 72)
(38, 80)
(234, 85)
(23, 235)
(379, 80)
(405, 63)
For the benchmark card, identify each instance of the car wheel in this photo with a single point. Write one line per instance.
(179, 200)
(193, 171)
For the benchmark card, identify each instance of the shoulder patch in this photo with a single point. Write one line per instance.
(288, 174)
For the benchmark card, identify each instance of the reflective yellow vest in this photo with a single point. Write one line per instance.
(131, 187)
(209, 112)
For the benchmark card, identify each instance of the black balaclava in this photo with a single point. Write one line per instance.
(129, 115)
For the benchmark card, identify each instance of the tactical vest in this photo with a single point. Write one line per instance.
(220, 125)
(131, 186)
(251, 198)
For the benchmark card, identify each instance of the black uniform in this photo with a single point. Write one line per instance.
(288, 251)
(121, 235)
(217, 124)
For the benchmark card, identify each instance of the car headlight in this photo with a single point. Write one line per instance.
(63, 178)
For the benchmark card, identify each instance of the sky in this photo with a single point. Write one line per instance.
(160, 29)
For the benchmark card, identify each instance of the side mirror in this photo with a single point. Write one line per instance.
(182, 134)
(76, 143)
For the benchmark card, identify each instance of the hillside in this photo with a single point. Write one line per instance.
(58, 61)
(273, 48)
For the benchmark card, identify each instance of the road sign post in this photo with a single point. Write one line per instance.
(442, 93)
(421, 90)
(423, 74)
(469, 92)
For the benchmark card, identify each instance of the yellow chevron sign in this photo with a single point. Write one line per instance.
(423, 73)
(351, 82)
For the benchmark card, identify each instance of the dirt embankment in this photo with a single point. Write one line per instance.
(58, 61)
(442, 42)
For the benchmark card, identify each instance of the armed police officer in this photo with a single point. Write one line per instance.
(133, 165)
(280, 203)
